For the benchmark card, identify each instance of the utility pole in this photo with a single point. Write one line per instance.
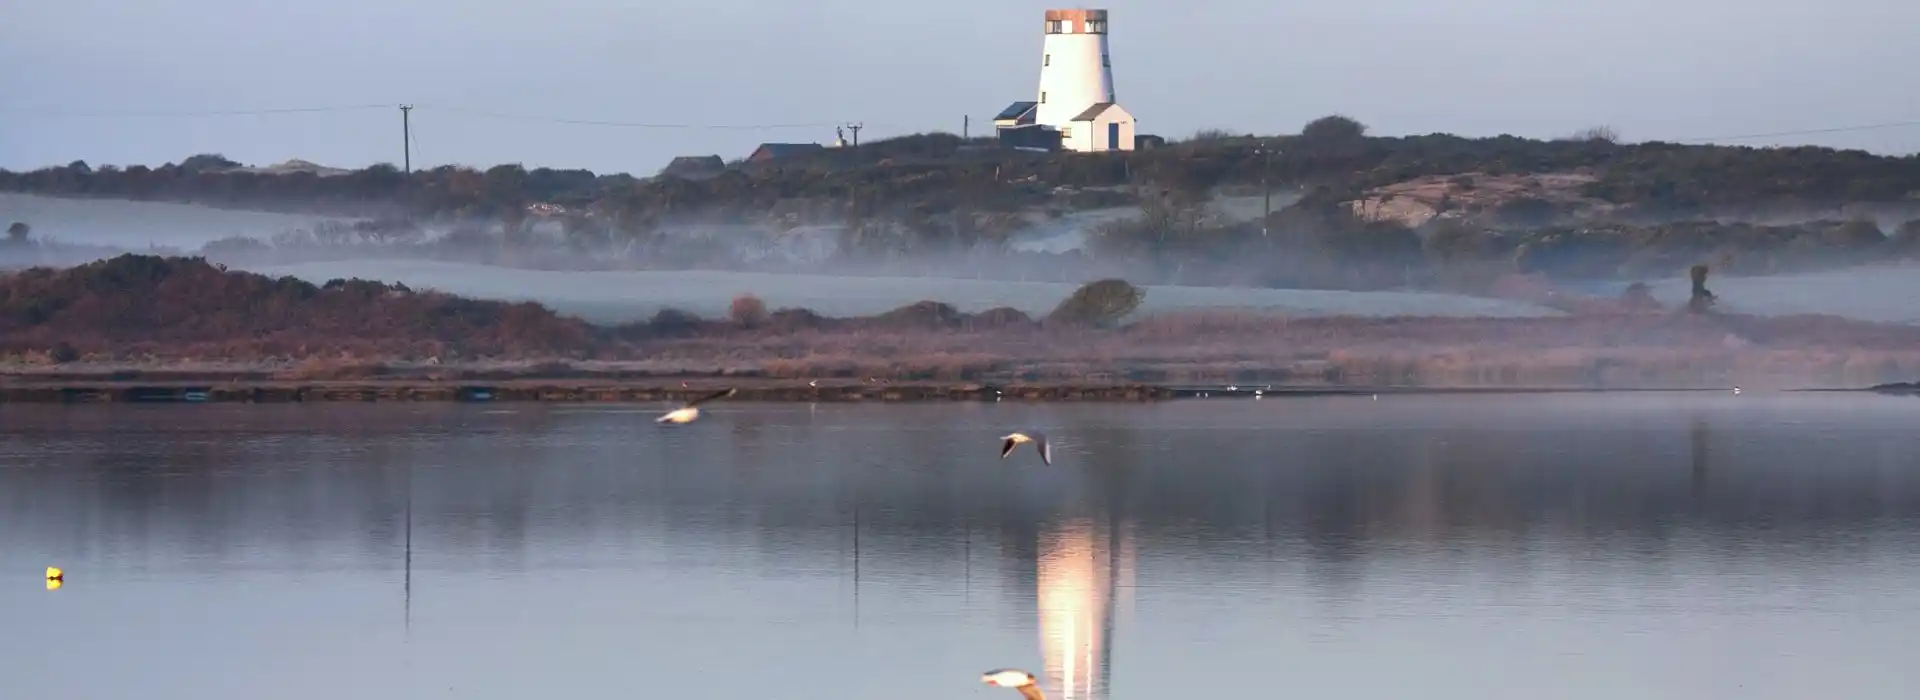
(406, 137)
(1266, 188)
(966, 124)
(855, 128)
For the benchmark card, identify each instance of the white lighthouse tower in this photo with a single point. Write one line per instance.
(1075, 70)
(1076, 88)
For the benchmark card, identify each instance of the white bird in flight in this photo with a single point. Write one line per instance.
(1039, 444)
(1016, 679)
(690, 410)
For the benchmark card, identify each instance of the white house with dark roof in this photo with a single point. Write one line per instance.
(1075, 109)
(1105, 126)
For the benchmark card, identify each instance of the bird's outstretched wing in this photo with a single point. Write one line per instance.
(1006, 448)
(1046, 449)
(709, 397)
(1017, 679)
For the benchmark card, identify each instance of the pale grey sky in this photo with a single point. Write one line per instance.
(71, 72)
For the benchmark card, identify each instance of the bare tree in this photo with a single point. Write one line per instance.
(1604, 134)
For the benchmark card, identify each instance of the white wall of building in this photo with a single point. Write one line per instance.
(1102, 135)
(1076, 137)
(1097, 135)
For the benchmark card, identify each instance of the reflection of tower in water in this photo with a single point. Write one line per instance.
(1084, 568)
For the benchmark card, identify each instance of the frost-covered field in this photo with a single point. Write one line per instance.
(621, 296)
(138, 226)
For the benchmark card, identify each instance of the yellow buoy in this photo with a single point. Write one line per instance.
(54, 584)
(54, 573)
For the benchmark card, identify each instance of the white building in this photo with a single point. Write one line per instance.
(1104, 126)
(1075, 108)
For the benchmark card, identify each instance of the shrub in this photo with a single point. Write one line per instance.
(1099, 303)
(921, 314)
(1335, 127)
(1638, 296)
(132, 304)
(1701, 299)
(748, 310)
(1000, 317)
(1906, 239)
(1213, 135)
(672, 321)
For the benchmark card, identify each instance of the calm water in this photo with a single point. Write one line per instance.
(1760, 546)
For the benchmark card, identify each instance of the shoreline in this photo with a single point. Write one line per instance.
(157, 389)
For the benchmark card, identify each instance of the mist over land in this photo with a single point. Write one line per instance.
(81, 230)
(1577, 249)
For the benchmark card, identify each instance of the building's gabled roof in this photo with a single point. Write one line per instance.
(1016, 111)
(694, 166)
(1098, 109)
(696, 161)
(782, 150)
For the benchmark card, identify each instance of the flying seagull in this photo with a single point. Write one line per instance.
(1016, 679)
(1039, 443)
(691, 410)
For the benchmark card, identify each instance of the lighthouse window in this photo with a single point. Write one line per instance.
(1047, 60)
(1096, 26)
(1106, 61)
(1043, 98)
(1054, 26)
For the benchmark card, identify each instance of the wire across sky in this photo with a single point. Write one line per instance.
(627, 124)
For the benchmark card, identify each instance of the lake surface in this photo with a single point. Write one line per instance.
(1576, 547)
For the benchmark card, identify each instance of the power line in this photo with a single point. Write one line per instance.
(746, 127)
(211, 113)
(1805, 132)
(634, 125)
(414, 136)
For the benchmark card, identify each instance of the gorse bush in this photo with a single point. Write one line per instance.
(748, 310)
(1102, 303)
(138, 303)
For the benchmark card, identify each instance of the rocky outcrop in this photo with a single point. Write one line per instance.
(1526, 200)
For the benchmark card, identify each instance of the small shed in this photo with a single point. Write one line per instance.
(1105, 126)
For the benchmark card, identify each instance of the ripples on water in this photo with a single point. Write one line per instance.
(1441, 547)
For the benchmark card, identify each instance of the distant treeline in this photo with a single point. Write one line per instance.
(933, 172)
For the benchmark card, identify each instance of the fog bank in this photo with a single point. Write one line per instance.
(614, 296)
